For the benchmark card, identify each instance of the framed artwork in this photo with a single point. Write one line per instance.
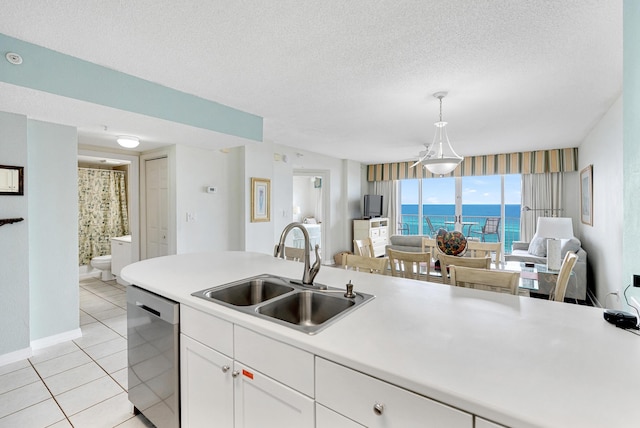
(11, 180)
(586, 195)
(260, 199)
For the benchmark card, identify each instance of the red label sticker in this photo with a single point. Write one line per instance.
(247, 374)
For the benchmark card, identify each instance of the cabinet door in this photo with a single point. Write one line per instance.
(327, 418)
(261, 402)
(377, 404)
(206, 386)
(483, 423)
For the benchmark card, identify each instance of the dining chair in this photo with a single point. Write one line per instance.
(365, 264)
(484, 249)
(363, 247)
(484, 279)
(402, 229)
(470, 262)
(295, 254)
(432, 230)
(491, 227)
(429, 245)
(560, 290)
(410, 265)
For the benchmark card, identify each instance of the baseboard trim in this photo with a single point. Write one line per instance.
(12, 357)
(56, 338)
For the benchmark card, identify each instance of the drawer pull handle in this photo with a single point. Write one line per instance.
(378, 408)
(225, 369)
(235, 373)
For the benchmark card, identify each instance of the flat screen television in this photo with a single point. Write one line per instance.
(372, 206)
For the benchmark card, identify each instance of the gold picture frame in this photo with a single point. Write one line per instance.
(260, 199)
(586, 195)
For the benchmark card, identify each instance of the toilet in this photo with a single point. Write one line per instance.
(103, 263)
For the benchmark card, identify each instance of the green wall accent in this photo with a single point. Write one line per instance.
(631, 147)
(49, 71)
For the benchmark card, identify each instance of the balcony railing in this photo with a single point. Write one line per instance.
(470, 224)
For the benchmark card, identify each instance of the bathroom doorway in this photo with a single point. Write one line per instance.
(311, 208)
(129, 164)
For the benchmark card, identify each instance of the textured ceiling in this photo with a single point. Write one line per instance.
(350, 79)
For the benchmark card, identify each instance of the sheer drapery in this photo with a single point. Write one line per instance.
(389, 192)
(542, 193)
(102, 205)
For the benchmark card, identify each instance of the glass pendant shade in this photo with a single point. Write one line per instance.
(442, 159)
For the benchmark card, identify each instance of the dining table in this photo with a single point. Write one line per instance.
(468, 224)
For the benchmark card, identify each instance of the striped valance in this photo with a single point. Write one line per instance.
(537, 162)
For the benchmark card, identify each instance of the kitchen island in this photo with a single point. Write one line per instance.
(490, 358)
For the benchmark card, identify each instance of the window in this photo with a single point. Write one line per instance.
(463, 203)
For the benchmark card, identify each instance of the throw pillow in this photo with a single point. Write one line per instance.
(538, 246)
(572, 245)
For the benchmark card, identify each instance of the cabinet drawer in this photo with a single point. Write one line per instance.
(374, 233)
(327, 418)
(383, 232)
(282, 362)
(212, 331)
(354, 395)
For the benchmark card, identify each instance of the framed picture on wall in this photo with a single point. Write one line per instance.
(586, 195)
(260, 199)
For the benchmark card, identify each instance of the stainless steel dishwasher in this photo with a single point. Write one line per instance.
(153, 332)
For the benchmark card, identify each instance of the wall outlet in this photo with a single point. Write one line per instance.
(636, 280)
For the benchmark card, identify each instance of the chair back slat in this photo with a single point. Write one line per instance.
(483, 279)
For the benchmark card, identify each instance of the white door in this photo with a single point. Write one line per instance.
(261, 402)
(206, 386)
(157, 207)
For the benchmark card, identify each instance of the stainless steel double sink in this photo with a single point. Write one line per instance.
(285, 301)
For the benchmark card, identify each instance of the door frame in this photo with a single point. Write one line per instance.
(326, 217)
(133, 189)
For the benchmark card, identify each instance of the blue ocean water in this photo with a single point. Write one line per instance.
(440, 214)
(471, 210)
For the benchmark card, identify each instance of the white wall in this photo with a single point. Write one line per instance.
(53, 230)
(14, 244)
(195, 170)
(603, 241)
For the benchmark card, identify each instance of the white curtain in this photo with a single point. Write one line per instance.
(389, 191)
(542, 193)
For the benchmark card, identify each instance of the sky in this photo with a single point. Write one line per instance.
(482, 190)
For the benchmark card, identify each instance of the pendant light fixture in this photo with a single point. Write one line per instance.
(440, 158)
(128, 141)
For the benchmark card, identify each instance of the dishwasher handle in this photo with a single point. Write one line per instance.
(148, 309)
(153, 304)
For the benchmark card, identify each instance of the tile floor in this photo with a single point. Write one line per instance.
(80, 383)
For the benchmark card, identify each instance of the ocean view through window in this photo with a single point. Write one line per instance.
(464, 204)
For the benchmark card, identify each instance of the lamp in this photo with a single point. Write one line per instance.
(440, 158)
(128, 142)
(554, 229)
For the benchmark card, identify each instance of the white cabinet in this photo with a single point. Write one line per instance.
(262, 402)
(483, 423)
(374, 403)
(206, 385)
(375, 228)
(226, 392)
(120, 255)
(327, 418)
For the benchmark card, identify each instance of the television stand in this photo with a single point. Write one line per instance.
(376, 228)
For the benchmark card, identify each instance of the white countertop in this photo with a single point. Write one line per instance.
(519, 361)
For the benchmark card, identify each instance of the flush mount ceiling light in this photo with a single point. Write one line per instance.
(439, 157)
(128, 142)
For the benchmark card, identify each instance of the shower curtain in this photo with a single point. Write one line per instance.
(102, 203)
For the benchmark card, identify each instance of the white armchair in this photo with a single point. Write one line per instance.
(536, 251)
